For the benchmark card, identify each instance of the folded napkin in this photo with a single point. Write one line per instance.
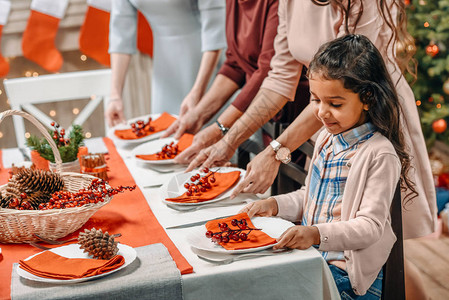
(223, 181)
(51, 265)
(256, 238)
(159, 124)
(184, 142)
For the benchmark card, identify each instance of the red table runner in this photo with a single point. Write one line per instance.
(128, 213)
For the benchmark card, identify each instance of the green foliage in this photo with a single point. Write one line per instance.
(68, 152)
(433, 72)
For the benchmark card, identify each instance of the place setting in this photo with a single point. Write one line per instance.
(225, 240)
(140, 129)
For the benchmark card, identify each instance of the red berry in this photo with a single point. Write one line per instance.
(186, 185)
(23, 195)
(206, 170)
(225, 239)
(52, 123)
(14, 203)
(243, 236)
(234, 222)
(209, 234)
(212, 180)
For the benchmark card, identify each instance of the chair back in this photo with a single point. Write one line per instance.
(24, 93)
(393, 284)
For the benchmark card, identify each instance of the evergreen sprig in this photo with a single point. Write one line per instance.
(68, 152)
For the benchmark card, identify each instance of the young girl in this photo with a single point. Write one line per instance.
(344, 207)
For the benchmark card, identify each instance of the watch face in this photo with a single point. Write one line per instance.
(284, 155)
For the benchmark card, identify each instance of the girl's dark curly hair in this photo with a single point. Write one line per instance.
(357, 63)
(397, 23)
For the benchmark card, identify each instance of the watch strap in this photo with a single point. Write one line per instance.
(275, 145)
(223, 129)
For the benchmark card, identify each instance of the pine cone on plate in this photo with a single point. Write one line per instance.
(98, 244)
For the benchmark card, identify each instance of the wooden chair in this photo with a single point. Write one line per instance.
(24, 93)
(393, 285)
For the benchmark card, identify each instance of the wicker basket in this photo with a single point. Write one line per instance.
(18, 226)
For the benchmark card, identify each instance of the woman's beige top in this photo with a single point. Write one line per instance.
(303, 28)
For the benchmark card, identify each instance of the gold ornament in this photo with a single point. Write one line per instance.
(446, 87)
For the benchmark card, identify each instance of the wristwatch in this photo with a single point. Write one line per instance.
(223, 129)
(283, 154)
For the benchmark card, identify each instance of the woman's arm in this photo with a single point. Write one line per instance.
(119, 67)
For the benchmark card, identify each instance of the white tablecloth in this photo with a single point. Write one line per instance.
(295, 275)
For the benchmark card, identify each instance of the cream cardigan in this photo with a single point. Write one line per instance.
(364, 232)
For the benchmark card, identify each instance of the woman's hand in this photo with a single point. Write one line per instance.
(299, 237)
(114, 112)
(188, 121)
(260, 174)
(218, 154)
(206, 137)
(261, 208)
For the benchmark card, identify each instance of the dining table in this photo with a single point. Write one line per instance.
(296, 274)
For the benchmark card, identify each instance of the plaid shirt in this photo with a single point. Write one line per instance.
(328, 178)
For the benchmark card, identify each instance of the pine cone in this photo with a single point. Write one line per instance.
(4, 201)
(98, 244)
(38, 180)
(13, 190)
(36, 198)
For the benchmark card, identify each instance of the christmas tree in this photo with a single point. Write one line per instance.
(428, 23)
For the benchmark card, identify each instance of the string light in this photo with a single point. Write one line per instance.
(88, 135)
(439, 105)
(27, 135)
(28, 74)
(83, 57)
(35, 74)
(7, 101)
(418, 103)
(52, 113)
(75, 111)
(426, 24)
(1, 92)
(1, 134)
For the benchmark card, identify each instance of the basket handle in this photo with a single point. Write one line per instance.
(41, 128)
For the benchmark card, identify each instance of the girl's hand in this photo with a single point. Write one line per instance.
(262, 208)
(206, 137)
(299, 237)
(114, 112)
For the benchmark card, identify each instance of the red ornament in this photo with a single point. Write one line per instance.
(407, 2)
(432, 50)
(443, 180)
(439, 126)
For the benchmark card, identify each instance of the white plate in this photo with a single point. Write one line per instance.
(74, 251)
(127, 126)
(273, 226)
(175, 186)
(153, 147)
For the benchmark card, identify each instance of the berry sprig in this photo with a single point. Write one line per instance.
(227, 234)
(58, 135)
(94, 193)
(200, 184)
(139, 127)
(168, 151)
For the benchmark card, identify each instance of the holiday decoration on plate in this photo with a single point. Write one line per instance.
(5, 7)
(140, 129)
(98, 244)
(38, 42)
(68, 146)
(94, 33)
(171, 150)
(236, 233)
(240, 232)
(206, 187)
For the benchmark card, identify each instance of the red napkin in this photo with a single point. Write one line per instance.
(223, 181)
(184, 142)
(161, 123)
(256, 238)
(51, 265)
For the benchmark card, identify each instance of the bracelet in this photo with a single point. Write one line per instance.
(223, 129)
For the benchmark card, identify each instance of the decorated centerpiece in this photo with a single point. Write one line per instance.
(68, 147)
